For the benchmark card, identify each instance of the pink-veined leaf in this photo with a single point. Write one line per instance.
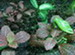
(29, 12)
(42, 33)
(9, 9)
(13, 44)
(42, 25)
(3, 41)
(67, 49)
(55, 32)
(71, 20)
(21, 5)
(11, 3)
(49, 43)
(11, 19)
(22, 37)
(19, 16)
(5, 30)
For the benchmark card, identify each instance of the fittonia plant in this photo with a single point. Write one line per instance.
(8, 38)
(42, 9)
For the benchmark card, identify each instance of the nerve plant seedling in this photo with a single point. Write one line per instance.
(42, 9)
(8, 38)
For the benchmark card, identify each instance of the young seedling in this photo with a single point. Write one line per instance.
(8, 38)
(42, 9)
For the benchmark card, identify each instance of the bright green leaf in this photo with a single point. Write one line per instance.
(46, 6)
(10, 37)
(34, 3)
(63, 25)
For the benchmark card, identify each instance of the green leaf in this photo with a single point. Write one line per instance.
(10, 37)
(34, 3)
(72, 4)
(63, 25)
(46, 6)
(67, 49)
(46, 21)
(43, 15)
(1, 48)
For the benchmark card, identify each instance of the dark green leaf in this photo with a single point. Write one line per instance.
(43, 15)
(34, 3)
(51, 52)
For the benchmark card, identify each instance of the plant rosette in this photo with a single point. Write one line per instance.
(8, 38)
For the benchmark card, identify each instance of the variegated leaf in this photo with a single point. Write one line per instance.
(42, 33)
(5, 30)
(10, 37)
(49, 43)
(13, 44)
(22, 37)
(67, 49)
